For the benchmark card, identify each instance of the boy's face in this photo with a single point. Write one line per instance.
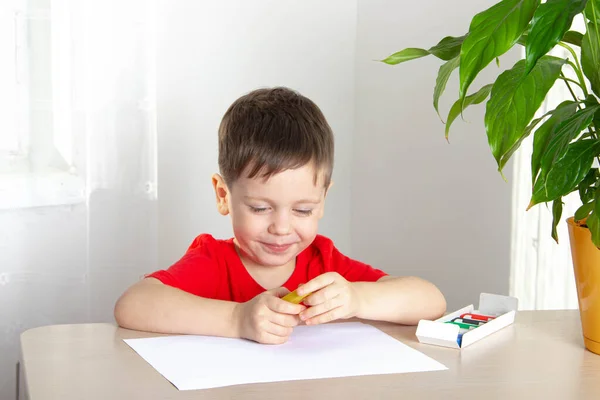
(275, 219)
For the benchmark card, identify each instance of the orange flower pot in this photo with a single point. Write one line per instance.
(586, 262)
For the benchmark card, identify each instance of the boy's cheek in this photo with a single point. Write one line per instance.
(248, 223)
(309, 225)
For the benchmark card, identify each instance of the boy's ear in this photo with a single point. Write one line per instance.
(325, 197)
(221, 193)
(328, 188)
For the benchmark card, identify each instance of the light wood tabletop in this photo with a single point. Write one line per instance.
(540, 356)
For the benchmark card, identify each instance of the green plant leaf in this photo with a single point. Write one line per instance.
(567, 173)
(539, 192)
(513, 102)
(565, 133)
(593, 5)
(441, 81)
(593, 222)
(544, 133)
(475, 98)
(534, 123)
(597, 202)
(557, 209)
(492, 33)
(523, 39)
(583, 211)
(572, 168)
(405, 55)
(448, 48)
(593, 225)
(592, 101)
(590, 56)
(551, 21)
(586, 188)
(573, 37)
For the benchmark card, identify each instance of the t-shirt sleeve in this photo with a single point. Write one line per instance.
(196, 272)
(351, 270)
(354, 271)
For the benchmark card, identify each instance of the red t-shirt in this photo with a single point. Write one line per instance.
(212, 268)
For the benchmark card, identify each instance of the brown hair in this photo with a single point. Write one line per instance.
(270, 130)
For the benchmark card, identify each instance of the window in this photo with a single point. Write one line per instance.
(37, 146)
(13, 99)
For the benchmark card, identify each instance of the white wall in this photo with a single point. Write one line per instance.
(422, 206)
(210, 53)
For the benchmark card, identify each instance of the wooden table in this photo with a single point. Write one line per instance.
(540, 356)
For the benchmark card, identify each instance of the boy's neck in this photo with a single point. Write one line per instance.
(270, 277)
(267, 276)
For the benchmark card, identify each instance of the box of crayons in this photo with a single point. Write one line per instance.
(468, 325)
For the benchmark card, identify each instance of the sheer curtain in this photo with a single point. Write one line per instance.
(78, 191)
(542, 270)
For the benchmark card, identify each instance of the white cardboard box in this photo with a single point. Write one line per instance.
(439, 333)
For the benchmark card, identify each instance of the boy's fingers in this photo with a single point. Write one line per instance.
(269, 338)
(285, 320)
(279, 292)
(317, 283)
(284, 307)
(322, 308)
(278, 330)
(321, 296)
(329, 316)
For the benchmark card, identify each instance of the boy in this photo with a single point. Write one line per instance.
(276, 160)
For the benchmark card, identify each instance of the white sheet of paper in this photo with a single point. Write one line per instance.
(312, 352)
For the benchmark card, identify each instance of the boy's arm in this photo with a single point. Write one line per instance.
(151, 306)
(403, 300)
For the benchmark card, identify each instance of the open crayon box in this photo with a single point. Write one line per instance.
(468, 325)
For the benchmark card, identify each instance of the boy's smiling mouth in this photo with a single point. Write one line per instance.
(277, 248)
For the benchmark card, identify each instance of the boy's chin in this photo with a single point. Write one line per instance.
(274, 262)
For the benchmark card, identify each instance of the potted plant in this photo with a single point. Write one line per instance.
(566, 139)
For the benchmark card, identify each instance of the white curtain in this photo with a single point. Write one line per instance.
(541, 270)
(78, 190)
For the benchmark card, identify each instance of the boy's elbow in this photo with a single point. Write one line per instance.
(124, 310)
(438, 303)
(130, 307)
(120, 311)
(433, 301)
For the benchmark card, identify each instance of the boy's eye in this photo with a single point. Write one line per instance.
(258, 210)
(304, 212)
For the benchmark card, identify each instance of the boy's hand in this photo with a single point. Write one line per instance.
(333, 297)
(266, 318)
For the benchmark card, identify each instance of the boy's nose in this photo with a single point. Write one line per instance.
(280, 225)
